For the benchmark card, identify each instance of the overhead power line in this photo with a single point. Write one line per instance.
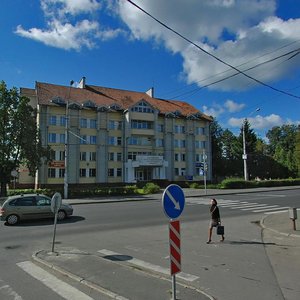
(212, 55)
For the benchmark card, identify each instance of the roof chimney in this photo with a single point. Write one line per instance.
(150, 92)
(81, 83)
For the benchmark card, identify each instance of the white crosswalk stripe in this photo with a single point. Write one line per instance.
(240, 205)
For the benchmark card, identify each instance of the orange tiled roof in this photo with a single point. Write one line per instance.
(102, 96)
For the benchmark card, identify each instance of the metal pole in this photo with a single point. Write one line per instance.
(174, 287)
(66, 151)
(54, 233)
(245, 153)
(204, 170)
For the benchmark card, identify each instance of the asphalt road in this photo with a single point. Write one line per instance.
(237, 268)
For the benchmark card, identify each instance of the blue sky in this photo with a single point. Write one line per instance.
(114, 44)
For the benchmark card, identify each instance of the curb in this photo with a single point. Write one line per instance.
(77, 278)
(262, 224)
(97, 287)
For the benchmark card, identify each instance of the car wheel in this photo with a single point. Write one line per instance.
(61, 215)
(12, 219)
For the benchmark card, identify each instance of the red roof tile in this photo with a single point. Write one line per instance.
(103, 96)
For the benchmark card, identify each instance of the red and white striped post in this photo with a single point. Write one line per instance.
(175, 252)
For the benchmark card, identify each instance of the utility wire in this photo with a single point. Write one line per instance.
(294, 52)
(212, 55)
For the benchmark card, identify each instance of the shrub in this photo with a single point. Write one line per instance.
(151, 188)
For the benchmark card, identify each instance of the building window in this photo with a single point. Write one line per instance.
(51, 173)
(93, 139)
(182, 155)
(111, 173)
(200, 130)
(93, 123)
(83, 156)
(160, 127)
(119, 156)
(52, 120)
(52, 137)
(179, 129)
(83, 123)
(199, 157)
(82, 172)
(179, 143)
(200, 144)
(142, 107)
(119, 172)
(114, 125)
(140, 124)
(62, 138)
(61, 155)
(159, 142)
(61, 173)
(113, 140)
(92, 172)
(176, 171)
(111, 156)
(63, 120)
(92, 156)
(83, 139)
(176, 157)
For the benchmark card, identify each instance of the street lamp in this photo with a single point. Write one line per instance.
(66, 184)
(244, 156)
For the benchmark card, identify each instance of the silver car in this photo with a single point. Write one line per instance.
(31, 206)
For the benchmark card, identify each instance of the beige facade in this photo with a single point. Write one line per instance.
(116, 136)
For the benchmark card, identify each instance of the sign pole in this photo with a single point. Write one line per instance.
(55, 206)
(174, 287)
(173, 202)
(54, 233)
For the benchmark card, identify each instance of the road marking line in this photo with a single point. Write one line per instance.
(263, 210)
(261, 206)
(61, 288)
(233, 204)
(6, 290)
(151, 267)
(248, 206)
(276, 212)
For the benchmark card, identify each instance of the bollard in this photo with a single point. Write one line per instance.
(293, 216)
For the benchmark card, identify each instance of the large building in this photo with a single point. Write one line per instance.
(106, 135)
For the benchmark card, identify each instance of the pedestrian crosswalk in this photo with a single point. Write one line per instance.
(246, 206)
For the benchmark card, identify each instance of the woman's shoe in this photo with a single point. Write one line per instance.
(208, 242)
(222, 239)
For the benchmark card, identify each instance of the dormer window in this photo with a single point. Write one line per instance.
(58, 100)
(89, 104)
(142, 107)
(115, 107)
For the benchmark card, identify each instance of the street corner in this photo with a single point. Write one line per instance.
(282, 224)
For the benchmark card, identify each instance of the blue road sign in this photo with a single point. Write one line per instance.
(173, 201)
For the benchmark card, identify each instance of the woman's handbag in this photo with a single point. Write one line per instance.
(220, 230)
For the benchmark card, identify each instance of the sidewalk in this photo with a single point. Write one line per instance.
(116, 277)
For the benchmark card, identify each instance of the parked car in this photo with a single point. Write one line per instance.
(31, 206)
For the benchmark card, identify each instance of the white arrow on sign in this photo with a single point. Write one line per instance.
(176, 203)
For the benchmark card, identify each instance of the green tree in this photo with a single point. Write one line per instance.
(282, 147)
(216, 132)
(20, 142)
(297, 151)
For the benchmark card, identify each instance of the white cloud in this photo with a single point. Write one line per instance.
(236, 31)
(62, 33)
(258, 122)
(233, 106)
(214, 111)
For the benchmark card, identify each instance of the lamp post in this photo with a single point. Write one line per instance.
(66, 181)
(244, 156)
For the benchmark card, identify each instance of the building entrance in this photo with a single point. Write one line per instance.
(143, 174)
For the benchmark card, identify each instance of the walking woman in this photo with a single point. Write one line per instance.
(215, 219)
